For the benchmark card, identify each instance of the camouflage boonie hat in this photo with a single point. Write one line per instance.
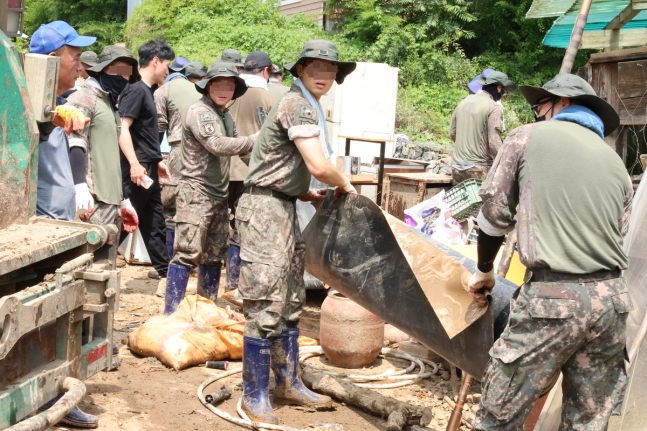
(232, 56)
(323, 50)
(89, 57)
(195, 69)
(226, 70)
(574, 88)
(112, 53)
(498, 78)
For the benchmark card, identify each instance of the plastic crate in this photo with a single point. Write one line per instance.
(464, 199)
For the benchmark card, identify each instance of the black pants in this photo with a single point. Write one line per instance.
(148, 204)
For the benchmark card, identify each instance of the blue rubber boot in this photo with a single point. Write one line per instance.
(76, 418)
(285, 364)
(233, 267)
(176, 281)
(208, 281)
(256, 378)
(170, 240)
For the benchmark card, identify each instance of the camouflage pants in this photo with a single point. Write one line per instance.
(105, 214)
(201, 228)
(561, 323)
(271, 275)
(478, 172)
(169, 191)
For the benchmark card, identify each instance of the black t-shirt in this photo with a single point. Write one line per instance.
(137, 101)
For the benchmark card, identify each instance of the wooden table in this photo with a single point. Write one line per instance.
(402, 191)
(380, 173)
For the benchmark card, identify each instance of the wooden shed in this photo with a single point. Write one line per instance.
(620, 77)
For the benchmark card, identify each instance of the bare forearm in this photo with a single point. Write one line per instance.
(126, 145)
(328, 174)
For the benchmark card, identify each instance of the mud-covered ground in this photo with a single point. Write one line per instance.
(145, 395)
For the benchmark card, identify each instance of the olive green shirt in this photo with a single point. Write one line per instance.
(573, 194)
(475, 128)
(276, 163)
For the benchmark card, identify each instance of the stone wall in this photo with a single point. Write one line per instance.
(438, 156)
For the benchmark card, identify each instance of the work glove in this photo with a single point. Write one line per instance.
(128, 216)
(348, 188)
(70, 118)
(84, 199)
(479, 285)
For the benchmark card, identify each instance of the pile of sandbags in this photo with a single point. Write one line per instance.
(199, 331)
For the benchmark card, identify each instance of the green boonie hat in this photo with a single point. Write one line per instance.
(498, 78)
(222, 69)
(112, 53)
(89, 57)
(323, 50)
(575, 88)
(232, 56)
(195, 69)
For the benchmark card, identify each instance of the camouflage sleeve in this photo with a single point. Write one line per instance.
(623, 223)
(500, 191)
(495, 128)
(298, 118)
(161, 98)
(85, 102)
(452, 128)
(206, 130)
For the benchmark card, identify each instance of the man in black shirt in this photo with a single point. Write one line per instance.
(140, 151)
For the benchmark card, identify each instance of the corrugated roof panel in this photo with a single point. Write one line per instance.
(601, 13)
(549, 8)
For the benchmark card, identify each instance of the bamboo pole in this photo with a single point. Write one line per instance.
(576, 37)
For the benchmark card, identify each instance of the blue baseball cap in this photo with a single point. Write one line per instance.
(52, 36)
(474, 86)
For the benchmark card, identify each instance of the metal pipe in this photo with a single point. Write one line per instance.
(74, 391)
(455, 419)
(77, 262)
(576, 37)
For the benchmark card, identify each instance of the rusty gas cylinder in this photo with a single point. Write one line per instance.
(350, 335)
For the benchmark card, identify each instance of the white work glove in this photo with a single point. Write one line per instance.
(348, 188)
(480, 284)
(128, 216)
(84, 199)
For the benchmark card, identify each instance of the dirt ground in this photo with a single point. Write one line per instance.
(145, 395)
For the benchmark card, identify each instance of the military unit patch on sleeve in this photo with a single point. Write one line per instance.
(207, 124)
(305, 115)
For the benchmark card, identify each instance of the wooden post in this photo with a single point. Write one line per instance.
(576, 37)
(4, 15)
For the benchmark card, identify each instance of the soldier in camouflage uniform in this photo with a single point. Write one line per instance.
(172, 101)
(570, 315)
(476, 127)
(272, 250)
(97, 98)
(201, 221)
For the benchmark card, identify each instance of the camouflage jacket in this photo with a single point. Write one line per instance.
(573, 195)
(100, 141)
(475, 128)
(210, 139)
(276, 163)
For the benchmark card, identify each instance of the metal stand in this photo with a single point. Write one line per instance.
(380, 174)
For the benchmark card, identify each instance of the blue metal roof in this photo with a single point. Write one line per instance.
(601, 13)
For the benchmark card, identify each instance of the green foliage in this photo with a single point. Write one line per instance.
(202, 29)
(103, 19)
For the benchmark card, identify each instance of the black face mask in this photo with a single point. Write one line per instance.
(492, 90)
(114, 85)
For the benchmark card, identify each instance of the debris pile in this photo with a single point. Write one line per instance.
(438, 156)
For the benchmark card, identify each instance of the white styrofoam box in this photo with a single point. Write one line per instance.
(134, 250)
